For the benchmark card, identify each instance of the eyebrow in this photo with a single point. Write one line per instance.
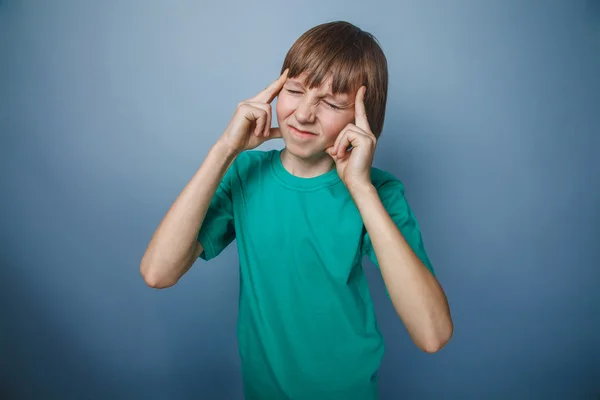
(329, 94)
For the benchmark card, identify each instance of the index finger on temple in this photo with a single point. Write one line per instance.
(270, 92)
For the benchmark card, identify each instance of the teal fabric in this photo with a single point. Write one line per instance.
(306, 325)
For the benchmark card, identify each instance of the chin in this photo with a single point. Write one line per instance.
(304, 151)
(299, 150)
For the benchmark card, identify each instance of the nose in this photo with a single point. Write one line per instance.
(305, 113)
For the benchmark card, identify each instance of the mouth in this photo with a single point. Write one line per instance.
(300, 133)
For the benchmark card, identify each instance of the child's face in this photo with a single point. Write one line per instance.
(317, 112)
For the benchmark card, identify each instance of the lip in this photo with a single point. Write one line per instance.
(300, 133)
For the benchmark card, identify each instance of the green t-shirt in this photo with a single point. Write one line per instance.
(306, 325)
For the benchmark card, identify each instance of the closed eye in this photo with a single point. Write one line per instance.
(333, 107)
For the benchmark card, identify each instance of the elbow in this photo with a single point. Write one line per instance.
(432, 347)
(153, 278)
(157, 283)
(437, 341)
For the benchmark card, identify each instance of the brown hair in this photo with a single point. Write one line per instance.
(351, 56)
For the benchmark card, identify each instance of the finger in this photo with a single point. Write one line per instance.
(344, 144)
(271, 91)
(256, 115)
(337, 145)
(260, 125)
(274, 133)
(351, 139)
(268, 124)
(339, 138)
(360, 113)
(267, 109)
(331, 153)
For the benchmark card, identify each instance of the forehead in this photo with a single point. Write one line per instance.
(303, 77)
(325, 86)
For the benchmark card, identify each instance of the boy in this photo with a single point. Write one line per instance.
(304, 217)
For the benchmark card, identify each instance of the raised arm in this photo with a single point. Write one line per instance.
(174, 247)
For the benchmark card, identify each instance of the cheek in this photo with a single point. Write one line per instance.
(284, 108)
(334, 125)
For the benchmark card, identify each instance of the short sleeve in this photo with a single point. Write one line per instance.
(391, 194)
(217, 230)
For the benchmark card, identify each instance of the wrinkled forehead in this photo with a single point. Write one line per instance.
(304, 79)
(326, 85)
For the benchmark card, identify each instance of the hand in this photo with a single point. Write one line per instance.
(251, 124)
(354, 165)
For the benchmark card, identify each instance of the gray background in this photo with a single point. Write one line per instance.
(108, 108)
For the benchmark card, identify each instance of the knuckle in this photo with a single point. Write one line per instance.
(259, 105)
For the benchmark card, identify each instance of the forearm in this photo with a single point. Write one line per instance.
(171, 250)
(416, 294)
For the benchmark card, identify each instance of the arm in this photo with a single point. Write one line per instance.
(174, 246)
(416, 295)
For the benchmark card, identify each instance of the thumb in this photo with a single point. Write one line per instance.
(329, 151)
(275, 133)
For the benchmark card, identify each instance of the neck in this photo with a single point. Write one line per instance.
(307, 167)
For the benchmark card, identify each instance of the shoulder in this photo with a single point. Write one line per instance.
(385, 182)
(249, 164)
(253, 158)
